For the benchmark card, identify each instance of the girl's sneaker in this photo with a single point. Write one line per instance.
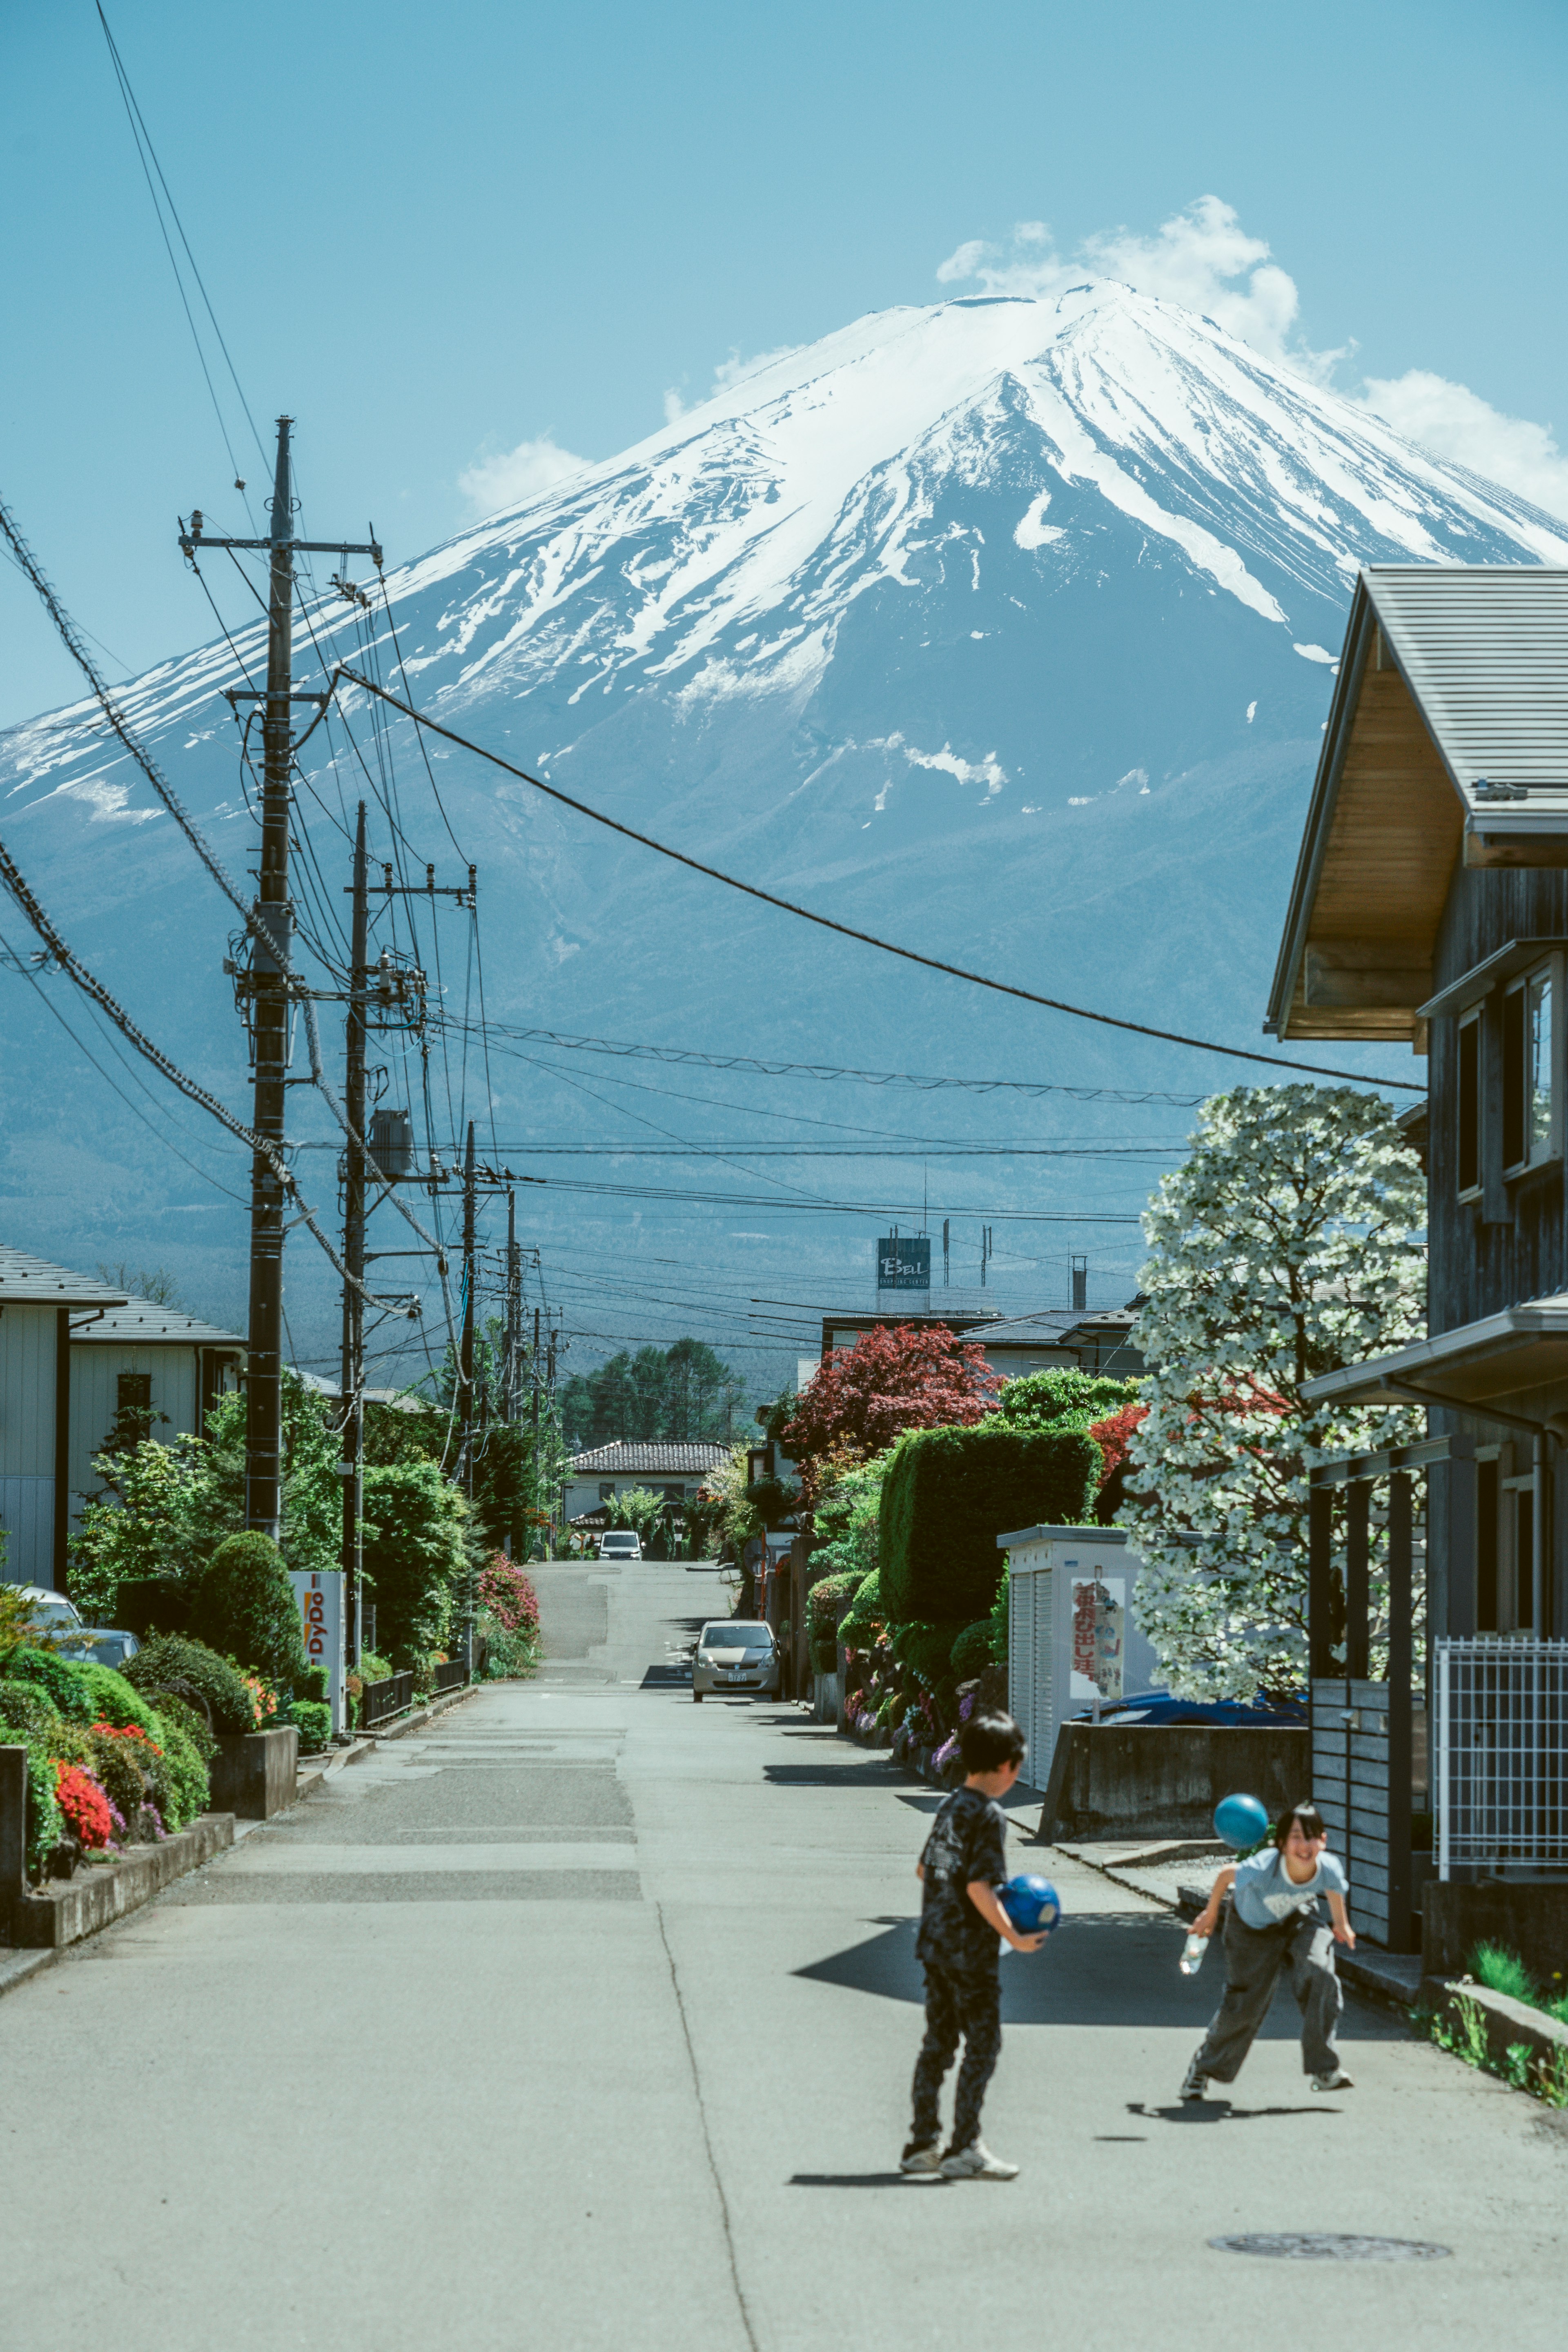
(1338, 2081)
(1194, 2084)
(976, 2162)
(926, 2159)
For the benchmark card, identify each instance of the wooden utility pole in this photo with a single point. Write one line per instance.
(267, 983)
(352, 1381)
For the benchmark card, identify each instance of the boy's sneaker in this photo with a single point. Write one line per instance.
(1338, 2081)
(1194, 2084)
(926, 2159)
(976, 2162)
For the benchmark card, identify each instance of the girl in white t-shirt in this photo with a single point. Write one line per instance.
(1274, 1920)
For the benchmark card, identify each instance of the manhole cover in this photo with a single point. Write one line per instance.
(1328, 2246)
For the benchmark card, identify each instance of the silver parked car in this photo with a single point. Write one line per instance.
(732, 1655)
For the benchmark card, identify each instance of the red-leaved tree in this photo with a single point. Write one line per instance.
(861, 1398)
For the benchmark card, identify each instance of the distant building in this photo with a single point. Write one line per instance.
(1098, 1340)
(674, 1468)
(82, 1363)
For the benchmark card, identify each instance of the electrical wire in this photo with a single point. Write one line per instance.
(849, 930)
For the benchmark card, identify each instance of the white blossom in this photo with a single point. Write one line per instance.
(1286, 1246)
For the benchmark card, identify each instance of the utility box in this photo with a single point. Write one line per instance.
(1071, 1639)
(390, 1144)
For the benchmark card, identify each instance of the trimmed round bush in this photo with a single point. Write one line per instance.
(865, 1618)
(171, 1665)
(172, 1709)
(950, 1493)
(82, 1691)
(27, 1709)
(244, 1606)
(179, 1775)
(312, 1719)
(925, 1649)
(971, 1653)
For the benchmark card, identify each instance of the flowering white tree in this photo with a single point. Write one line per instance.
(1285, 1247)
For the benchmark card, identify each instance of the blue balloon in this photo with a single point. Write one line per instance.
(1032, 1904)
(1241, 1822)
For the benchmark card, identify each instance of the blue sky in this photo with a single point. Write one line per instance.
(441, 236)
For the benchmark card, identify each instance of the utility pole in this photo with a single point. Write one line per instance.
(514, 1347)
(466, 1350)
(267, 983)
(353, 1382)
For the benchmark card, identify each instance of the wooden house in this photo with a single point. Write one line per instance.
(1430, 908)
(82, 1364)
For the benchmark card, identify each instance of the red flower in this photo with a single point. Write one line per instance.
(85, 1806)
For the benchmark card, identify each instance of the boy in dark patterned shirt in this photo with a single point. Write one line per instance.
(962, 1870)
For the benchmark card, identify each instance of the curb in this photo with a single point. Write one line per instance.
(94, 1899)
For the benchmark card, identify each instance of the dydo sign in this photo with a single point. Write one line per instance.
(320, 1600)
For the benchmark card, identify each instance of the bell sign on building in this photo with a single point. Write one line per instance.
(903, 1264)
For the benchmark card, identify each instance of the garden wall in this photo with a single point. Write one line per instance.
(1164, 1780)
(1531, 1920)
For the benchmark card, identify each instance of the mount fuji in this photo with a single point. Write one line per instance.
(1003, 628)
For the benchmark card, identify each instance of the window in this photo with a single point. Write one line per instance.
(606, 1490)
(1528, 1104)
(1470, 1094)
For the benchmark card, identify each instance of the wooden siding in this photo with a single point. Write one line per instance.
(95, 1373)
(27, 1443)
(1393, 848)
(1349, 1785)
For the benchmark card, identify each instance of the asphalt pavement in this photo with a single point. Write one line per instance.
(587, 2015)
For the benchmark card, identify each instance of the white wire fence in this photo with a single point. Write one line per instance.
(1501, 1760)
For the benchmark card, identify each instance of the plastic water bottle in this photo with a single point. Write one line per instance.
(1193, 1952)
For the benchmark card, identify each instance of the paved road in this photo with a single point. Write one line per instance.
(588, 2017)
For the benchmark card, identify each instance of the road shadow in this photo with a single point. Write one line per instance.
(666, 1678)
(1107, 1968)
(1221, 2111)
(869, 2180)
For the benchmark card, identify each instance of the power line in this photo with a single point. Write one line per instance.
(827, 1070)
(865, 938)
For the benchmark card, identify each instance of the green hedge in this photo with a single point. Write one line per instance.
(971, 1653)
(172, 1666)
(244, 1607)
(81, 1690)
(950, 1493)
(312, 1719)
(866, 1614)
(926, 1649)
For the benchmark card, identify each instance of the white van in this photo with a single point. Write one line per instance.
(620, 1543)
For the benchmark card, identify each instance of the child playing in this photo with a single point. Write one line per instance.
(1273, 1918)
(961, 1869)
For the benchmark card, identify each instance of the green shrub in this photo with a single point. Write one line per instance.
(122, 1769)
(971, 1653)
(27, 1709)
(83, 1692)
(312, 1719)
(243, 1605)
(414, 1556)
(179, 1776)
(174, 1709)
(210, 1687)
(312, 1683)
(950, 1493)
(46, 1824)
(925, 1649)
(863, 1623)
(1501, 1970)
(1063, 1392)
(823, 1603)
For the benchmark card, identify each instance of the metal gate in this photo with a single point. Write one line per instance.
(1502, 1737)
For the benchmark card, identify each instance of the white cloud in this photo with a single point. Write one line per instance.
(1204, 259)
(1200, 258)
(509, 478)
(729, 372)
(1456, 424)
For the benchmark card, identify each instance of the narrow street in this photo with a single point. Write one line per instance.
(587, 2016)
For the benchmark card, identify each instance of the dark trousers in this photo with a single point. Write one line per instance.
(1253, 1960)
(959, 2003)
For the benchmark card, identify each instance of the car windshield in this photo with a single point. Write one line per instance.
(105, 1649)
(736, 1637)
(53, 1612)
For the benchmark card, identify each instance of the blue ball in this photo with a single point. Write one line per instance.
(1032, 1904)
(1241, 1822)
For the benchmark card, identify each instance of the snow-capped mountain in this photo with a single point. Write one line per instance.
(1004, 627)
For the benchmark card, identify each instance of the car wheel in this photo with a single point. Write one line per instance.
(697, 1698)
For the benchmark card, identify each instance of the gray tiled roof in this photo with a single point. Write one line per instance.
(28, 1281)
(657, 1458)
(141, 1324)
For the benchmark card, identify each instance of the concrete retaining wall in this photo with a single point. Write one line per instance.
(64, 1911)
(1164, 1780)
(1531, 1920)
